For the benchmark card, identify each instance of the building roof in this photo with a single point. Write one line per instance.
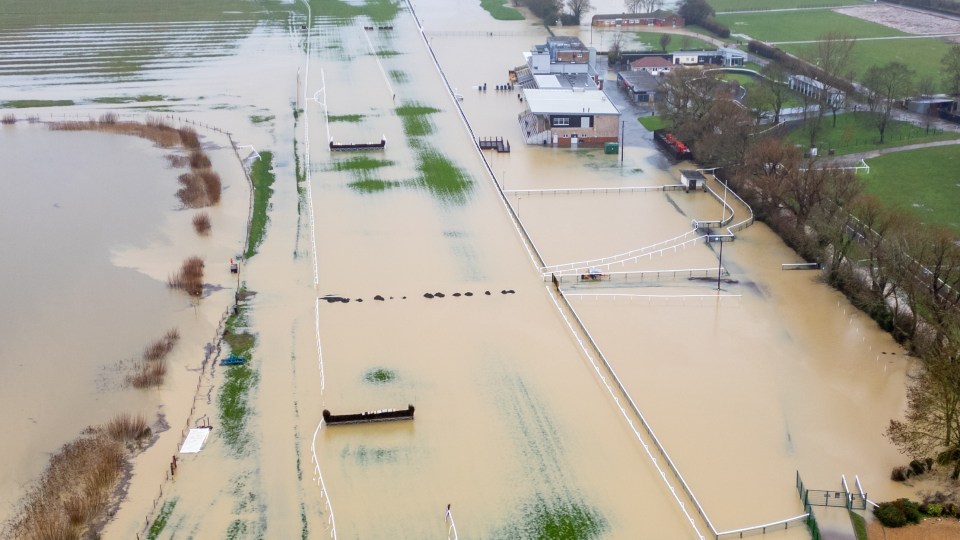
(713, 52)
(640, 81)
(565, 80)
(691, 174)
(651, 62)
(572, 101)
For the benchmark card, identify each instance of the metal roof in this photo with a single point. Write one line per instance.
(569, 102)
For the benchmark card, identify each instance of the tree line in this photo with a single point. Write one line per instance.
(903, 273)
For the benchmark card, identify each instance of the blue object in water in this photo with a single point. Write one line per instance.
(232, 360)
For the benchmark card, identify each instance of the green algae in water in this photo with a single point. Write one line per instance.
(553, 520)
(380, 376)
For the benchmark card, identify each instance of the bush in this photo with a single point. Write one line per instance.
(717, 28)
(917, 466)
(934, 510)
(201, 223)
(889, 515)
(900, 473)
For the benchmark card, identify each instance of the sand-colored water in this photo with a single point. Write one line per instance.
(778, 377)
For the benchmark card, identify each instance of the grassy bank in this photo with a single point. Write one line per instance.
(500, 11)
(802, 25)
(261, 174)
(923, 181)
(921, 55)
(855, 132)
(379, 11)
(756, 5)
(238, 380)
(29, 103)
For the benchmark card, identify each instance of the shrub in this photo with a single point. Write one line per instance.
(934, 510)
(900, 473)
(717, 28)
(890, 515)
(201, 223)
(189, 278)
(917, 466)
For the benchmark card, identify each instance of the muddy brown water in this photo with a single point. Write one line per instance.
(779, 376)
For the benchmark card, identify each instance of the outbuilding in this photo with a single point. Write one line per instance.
(569, 118)
(692, 179)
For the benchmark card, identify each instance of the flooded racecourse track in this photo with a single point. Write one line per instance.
(406, 276)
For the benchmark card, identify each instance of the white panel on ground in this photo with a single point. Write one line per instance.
(194, 441)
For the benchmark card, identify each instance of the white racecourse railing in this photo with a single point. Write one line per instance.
(736, 227)
(452, 528)
(593, 190)
(631, 255)
(324, 494)
(764, 528)
(648, 274)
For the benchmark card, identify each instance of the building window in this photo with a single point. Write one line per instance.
(561, 122)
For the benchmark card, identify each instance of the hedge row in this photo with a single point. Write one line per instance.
(712, 25)
(798, 66)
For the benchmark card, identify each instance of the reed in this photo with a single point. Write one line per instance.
(128, 428)
(149, 374)
(9, 119)
(189, 138)
(71, 498)
(162, 347)
(177, 161)
(108, 119)
(212, 186)
(201, 223)
(189, 278)
(199, 160)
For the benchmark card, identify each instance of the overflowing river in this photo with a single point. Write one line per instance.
(382, 284)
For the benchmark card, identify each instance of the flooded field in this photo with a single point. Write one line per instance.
(399, 277)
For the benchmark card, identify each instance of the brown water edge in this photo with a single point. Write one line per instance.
(86, 386)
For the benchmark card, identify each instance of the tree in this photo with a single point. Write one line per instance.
(695, 11)
(723, 133)
(665, 41)
(548, 10)
(615, 51)
(634, 6)
(951, 70)
(578, 8)
(932, 420)
(775, 80)
(760, 100)
(687, 96)
(885, 85)
(834, 55)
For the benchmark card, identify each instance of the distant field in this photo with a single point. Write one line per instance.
(500, 11)
(855, 132)
(747, 5)
(922, 55)
(678, 42)
(924, 181)
(20, 13)
(802, 25)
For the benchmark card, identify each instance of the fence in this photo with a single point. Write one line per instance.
(581, 191)
(642, 275)
(619, 258)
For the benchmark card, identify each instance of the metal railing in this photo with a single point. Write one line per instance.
(595, 190)
(621, 257)
(683, 273)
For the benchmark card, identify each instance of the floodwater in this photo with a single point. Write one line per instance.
(514, 425)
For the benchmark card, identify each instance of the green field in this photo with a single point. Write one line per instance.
(19, 13)
(501, 12)
(802, 25)
(747, 5)
(855, 132)
(651, 40)
(924, 181)
(922, 55)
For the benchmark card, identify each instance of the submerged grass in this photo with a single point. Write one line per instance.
(444, 179)
(398, 76)
(143, 98)
(261, 174)
(162, 518)
(361, 163)
(345, 118)
(554, 520)
(388, 53)
(260, 119)
(371, 185)
(28, 103)
(380, 375)
(238, 381)
(415, 119)
(379, 11)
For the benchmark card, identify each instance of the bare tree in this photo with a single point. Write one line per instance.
(775, 80)
(885, 85)
(721, 135)
(665, 41)
(687, 96)
(951, 70)
(578, 8)
(615, 50)
(834, 58)
(634, 6)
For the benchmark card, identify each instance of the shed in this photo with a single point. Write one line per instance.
(692, 179)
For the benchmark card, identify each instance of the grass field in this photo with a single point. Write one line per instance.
(922, 55)
(855, 132)
(498, 10)
(802, 25)
(20, 13)
(924, 181)
(652, 123)
(747, 5)
(677, 42)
